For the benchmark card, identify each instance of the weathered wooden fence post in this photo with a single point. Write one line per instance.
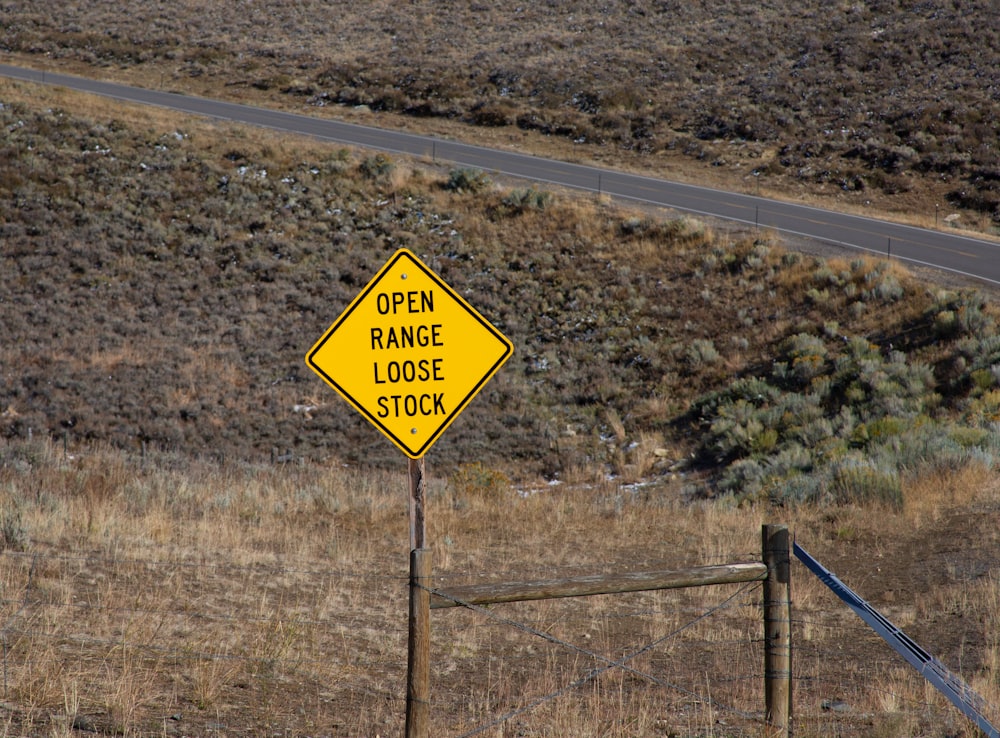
(417, 472)
(777, 632)
(418, 662)
(418, 677)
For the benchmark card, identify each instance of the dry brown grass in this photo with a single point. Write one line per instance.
(929, 496)
(164, 595)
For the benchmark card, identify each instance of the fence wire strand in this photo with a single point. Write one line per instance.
(828, 700)
(609, 664)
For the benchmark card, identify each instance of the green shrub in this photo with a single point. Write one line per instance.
(793, 458)
(804, 419)
(701, 352)
(376, 167)
(972, 437)
(765, 441)
(961, 314)
(744, 478)
(468, 180)
(982, 379)
(980, 365)
(805, 356)
(883, 428)
(810, 433)
(859, 481)
(799, 488)
(983, 410)
(522, 200)
(13, 534)
(337, 163)
(946, 324)
(889, 289)
(817, 296)
(826, 276)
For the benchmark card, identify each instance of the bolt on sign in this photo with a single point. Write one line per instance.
(409, 353)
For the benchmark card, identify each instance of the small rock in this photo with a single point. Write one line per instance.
(84, 723)
(835, 706)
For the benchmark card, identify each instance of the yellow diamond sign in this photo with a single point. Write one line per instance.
(409, 353)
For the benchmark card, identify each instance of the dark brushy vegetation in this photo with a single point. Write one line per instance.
(884, 104)
(162, 282)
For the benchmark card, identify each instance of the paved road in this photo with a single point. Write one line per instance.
(962, 255)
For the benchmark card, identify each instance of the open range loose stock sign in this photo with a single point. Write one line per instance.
(409, 353)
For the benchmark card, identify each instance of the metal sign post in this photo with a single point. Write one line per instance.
(418, 661)
(418, 525)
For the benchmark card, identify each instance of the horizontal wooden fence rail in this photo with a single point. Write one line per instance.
(773, 571)
(489, 594)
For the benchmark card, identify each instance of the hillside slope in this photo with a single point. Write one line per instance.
(163, 280)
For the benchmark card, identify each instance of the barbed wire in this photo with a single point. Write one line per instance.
(253, 568)
(263, 568)
(183, 614)
(163, 651)
(37, 558)
(810, 679)
(594, 673)
(7, 628)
